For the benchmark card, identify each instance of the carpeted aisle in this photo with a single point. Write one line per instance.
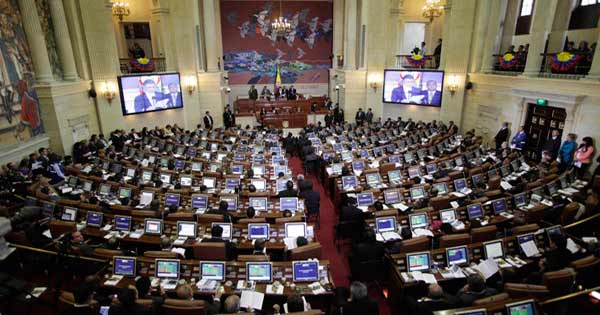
(337, 260)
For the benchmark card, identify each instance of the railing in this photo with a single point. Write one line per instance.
(574, 70)
(404, 61)
(515, 68)
(127, 66)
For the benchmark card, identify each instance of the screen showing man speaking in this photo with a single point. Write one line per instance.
(149, 93)
(416, 87)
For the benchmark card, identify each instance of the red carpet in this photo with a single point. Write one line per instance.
(337, 260)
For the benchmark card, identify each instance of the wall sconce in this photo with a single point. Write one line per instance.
(226, 89)
(108, 90)
(189, 82)
(453, 83)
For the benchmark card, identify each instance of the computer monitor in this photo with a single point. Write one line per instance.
(458, 255)
(199, 201)
(520, 199)
(493, 249)
(104, 189)
(392, 196)
(448, 215)
(167, 268)
(349, 182)
(442, 188)
(305, 271)
(295, 229)
(69, 214)
(499, 206)
(227, 229)
(417, 193)
(288, 203)
(94, 219)
(480, 311)
(258, 203)
(418, 261)
(526, 307)
(385, 224)
(365, 199)
(258, 231)
(418, 220)
(185, 180)
(125, 192)
(209, 182)
(373, 179)
(187, 229)
(122, 223)
(414, 171)
(474, 211)
(259, 183)
(259, 271)
(460, 184)
(124, 266)
(232, 202)
(212, 270)
(394, 176)
(153, 226)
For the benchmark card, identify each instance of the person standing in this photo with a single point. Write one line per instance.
(501, 136)
(208, 121)
(552, 145)
(519, 140)
(369, 116)
(583, 156)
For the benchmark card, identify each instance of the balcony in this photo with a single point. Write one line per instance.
(408, 62)
(129, 65)
(572, 66)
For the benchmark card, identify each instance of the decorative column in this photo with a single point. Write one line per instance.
(445, 32)
(63, 39)
(210, 35)
(494, 32)
(350, 34)
(36, 40)
(543, 16)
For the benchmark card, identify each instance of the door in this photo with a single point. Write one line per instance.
(540, 122)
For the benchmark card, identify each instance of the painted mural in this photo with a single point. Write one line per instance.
(19, 107)
(43, 8)
(252, 51)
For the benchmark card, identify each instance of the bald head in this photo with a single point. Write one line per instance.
(435, 291)
(232, 304)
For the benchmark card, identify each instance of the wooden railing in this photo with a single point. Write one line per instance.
(127, 67)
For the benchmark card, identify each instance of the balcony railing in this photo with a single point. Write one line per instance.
(405, 61)
(575, 68)
(128, 65)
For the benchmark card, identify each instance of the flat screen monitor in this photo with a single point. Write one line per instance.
(414, 87)
(392, 196)
(418, 261)
(305, 271)
(295, 229)
(385, 224)
(474, 211)
(153, 226)
(94, 219)
(418, 220)
(259, 271)
(124, 266)
(227, 229)
(526, 307)
(199, 201)
(122, 223)
(499, 206)
(187, 229)
(448, 215)
(365, 199)
(149, 93)
(258, 231)
(493, 249)
(69, 214)
(212, 270)
(167, 268)
(458, 255)
(288, 203)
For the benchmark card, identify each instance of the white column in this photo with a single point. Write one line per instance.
(210, 35)
(36, 40)
(350, 35)
(543, 16)
(445, 32)
(494, 32)
(63, 39)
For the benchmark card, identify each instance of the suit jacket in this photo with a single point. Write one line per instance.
(552, 146)
(501, 136)
(141, 103)
(208, 122)
(135, 309)
(398, 95)
(178, 100)
(435, 100)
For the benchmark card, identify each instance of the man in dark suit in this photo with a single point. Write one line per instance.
(128, 304)
(174, 97)
(432, 95)
(289, 190)
(405, 90)
(150, 99)
(253, 93)
(208, 121)
(552, 145)
(360, 117)
(501, 136)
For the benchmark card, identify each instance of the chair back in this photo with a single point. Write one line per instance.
(560, 282)
(58, 228)
(160, 254)
(483, 234)
(416, 244)
(454, 240)
(210, 251)
(312, 250)
(246, 258)
(523, 290)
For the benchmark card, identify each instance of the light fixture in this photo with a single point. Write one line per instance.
(281, 26)
(453, 83)
(108, 90)
(432, 9)
(120, 10)
(189, 82)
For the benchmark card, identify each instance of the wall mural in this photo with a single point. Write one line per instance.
(19, 106)
(252, 50)
(43, 8)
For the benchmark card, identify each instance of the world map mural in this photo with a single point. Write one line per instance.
(253, 51)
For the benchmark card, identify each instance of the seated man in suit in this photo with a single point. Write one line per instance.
(289, 190)
(216, 236)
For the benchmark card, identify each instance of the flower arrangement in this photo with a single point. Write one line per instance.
(416, 60)
(564, 61)
(142, 64)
